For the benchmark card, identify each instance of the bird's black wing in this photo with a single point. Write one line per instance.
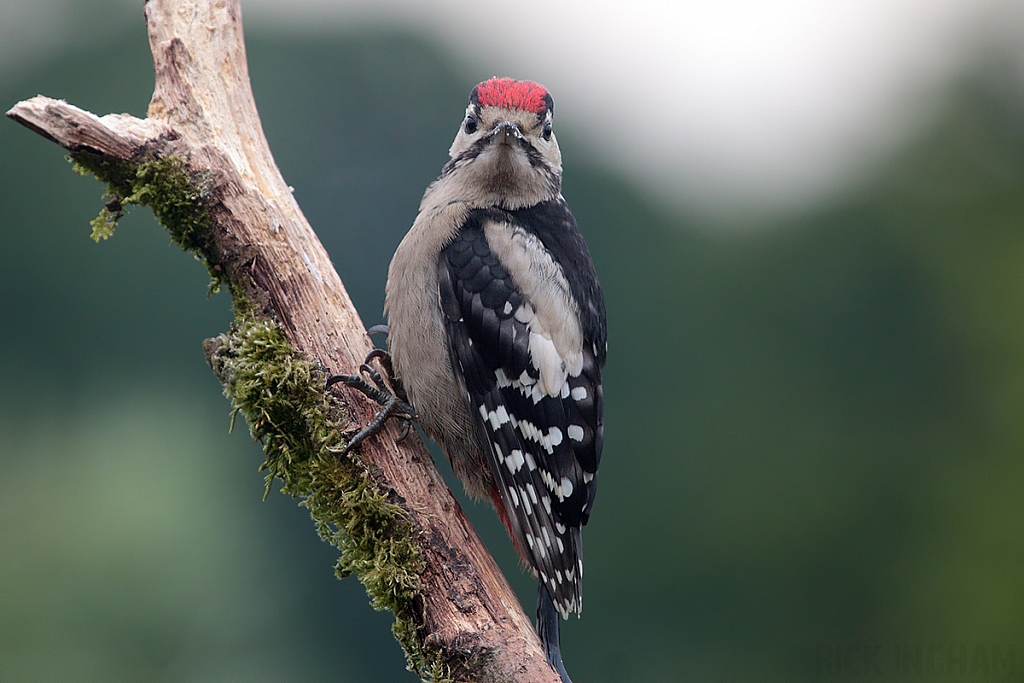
(544, 449)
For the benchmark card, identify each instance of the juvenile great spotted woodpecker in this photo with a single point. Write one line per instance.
(497, 334)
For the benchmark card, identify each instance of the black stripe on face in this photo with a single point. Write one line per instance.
(533, 155)
(468, 154)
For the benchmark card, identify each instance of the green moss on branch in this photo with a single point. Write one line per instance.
(179, 199)
(281, 396)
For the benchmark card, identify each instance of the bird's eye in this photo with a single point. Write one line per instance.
(546, 132)
(470, 124)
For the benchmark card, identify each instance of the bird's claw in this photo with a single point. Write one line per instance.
(394, 402)
(406, 428)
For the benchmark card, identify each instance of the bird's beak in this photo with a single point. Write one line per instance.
(507, 133)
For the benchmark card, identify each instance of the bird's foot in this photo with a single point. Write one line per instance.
(394, 402)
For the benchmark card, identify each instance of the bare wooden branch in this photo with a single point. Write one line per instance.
(203, 111)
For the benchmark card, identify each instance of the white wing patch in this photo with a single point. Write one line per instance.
(548, 308)
(547, 361)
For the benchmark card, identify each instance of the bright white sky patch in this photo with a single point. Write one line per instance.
(761, 104)
(722, 104)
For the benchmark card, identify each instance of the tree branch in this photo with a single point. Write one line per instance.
(201, 161)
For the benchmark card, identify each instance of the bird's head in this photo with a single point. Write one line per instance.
(506, 144)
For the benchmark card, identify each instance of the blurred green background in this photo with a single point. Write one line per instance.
(814, 431)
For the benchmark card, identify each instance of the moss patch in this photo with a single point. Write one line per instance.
(179, 198)
(280, 395)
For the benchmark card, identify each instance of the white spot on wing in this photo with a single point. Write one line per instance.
(515, 460)
(533, 493)
(530, 431)
(526, 501)
(530, 462)
(575, 432)
(524, 313)
(496, 417)
(579, 394)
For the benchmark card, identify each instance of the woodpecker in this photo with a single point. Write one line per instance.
(496, 332)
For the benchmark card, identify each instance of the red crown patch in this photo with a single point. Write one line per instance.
(509, 93)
